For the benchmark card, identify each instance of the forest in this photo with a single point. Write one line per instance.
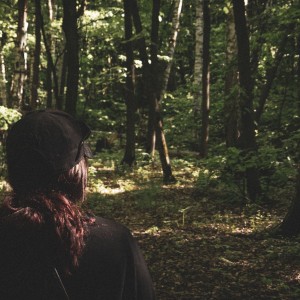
(194, 108)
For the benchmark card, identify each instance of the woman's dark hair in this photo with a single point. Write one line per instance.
(51, 214)
(47, 170)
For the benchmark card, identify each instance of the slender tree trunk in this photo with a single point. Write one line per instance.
(231, 106)
(198, 66)
(155, 110)
(37, 53)
(50, 4)
(3, 90)
(172, 45)
(63, 78)
(205, 81)
(271, 74)
(151, 79)
(129, 156)
(152, 89)
(247, 140)
(20, 69)
(72, 47)
(51, 64)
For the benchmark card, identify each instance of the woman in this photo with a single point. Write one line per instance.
(49, 248)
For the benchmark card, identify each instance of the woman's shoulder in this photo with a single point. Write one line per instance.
(105, 228)
(108, 236)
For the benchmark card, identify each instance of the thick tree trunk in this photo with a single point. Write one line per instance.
(37, 53)
(204, 135)
(129, 156)
(198, 66)
(72, 47)
(246, 140)
(231, 106)
(290, 225)
(20, 69)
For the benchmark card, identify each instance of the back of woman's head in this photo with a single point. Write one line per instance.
(47, 169)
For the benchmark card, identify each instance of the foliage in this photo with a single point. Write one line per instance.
(227, 172)
(8, 116)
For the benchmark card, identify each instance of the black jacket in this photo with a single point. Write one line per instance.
(111, 268)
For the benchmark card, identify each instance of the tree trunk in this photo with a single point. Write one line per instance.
(271, 73)
(20, 71)
(205, 82)
(198, 65)
(246, 140)
(231, 106)
(37, 53)
(172, 45)
(3, 90)
(129, 156)
(158, 136)
(49, 66)
(290, 225)
(63, 77)
(72, 47)
(151, 79)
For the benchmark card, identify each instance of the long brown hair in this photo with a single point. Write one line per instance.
(50, 213)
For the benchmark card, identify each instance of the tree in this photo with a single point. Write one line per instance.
(37, 52)
(231, 107)
(3, 94)
(129, 156)
(17, 96)
(72, 47)
(49, 69)
(271, 72)
(205, 80)
(154, 89)
(198, 64)
(290, 225)
(246, 141)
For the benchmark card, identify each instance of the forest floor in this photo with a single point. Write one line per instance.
(196, 246)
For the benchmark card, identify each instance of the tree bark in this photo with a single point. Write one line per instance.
(151, 79)
(129, 156)
(49, 84)
(152, 90)
(172, 45)
(155, 127)
(198, 65)
(51, 64)
(290, 225)
(271, 74)
(63, 78)
(231, 106)
(246, 141)
(72, 48)
(3, 89)
(20, 69)
(204, 135)
(37, 53)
